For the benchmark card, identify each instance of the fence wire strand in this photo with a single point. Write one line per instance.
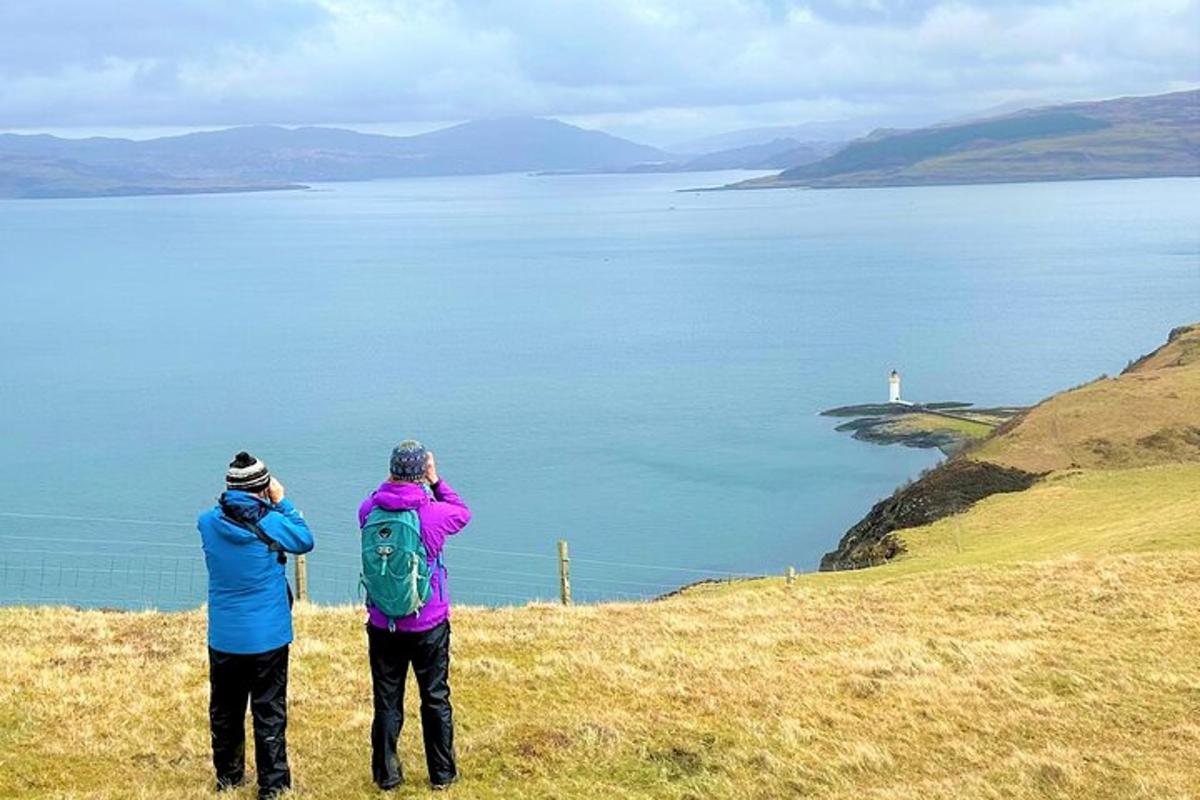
(161, 577)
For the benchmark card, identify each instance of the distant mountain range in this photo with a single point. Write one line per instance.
(836, 131)
(1130, 137)
(268, 157)
(774, 154)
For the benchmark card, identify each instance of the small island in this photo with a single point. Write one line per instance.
(949, 425)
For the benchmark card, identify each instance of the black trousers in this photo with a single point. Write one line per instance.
(260, 679)
(429, 654)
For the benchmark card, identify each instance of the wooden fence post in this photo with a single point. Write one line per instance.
(791, 575)
(301, 578)
(564, 573)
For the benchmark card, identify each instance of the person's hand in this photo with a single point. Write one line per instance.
(274, 490)
(431, 470)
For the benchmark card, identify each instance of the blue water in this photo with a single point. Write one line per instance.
(596, 358)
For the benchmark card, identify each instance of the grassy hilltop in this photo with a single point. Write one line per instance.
(1149, 414)
(1043, 644)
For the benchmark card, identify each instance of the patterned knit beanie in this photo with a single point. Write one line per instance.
(409, 460)
(247, 474)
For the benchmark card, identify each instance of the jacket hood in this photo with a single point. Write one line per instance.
(399, 496)
(240, 507)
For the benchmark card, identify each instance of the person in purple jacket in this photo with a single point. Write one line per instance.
(422, 639)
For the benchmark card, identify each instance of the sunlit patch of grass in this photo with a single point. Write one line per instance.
(1082, 514)
(931, 423)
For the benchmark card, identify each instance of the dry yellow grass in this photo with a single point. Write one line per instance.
(1180, 351)
(1150, 415)
(958, 672)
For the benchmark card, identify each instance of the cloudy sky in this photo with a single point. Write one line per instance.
(658, 70)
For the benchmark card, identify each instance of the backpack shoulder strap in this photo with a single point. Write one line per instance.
(391, 513)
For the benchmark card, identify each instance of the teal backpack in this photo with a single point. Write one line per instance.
(395, 567)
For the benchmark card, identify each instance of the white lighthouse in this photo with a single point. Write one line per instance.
(894, 387)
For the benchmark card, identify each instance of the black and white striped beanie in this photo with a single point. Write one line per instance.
(247, 474)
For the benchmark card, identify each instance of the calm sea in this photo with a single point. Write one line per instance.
(601, 359)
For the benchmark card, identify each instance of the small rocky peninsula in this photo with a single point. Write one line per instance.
(948, 426)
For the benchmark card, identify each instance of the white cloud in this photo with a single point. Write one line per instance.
(648, 63)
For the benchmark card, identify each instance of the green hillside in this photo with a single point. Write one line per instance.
(1133, 137)
(906, 149)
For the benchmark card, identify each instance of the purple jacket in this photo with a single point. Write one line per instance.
(442, 515)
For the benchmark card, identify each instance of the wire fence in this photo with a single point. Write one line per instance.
(100, 564)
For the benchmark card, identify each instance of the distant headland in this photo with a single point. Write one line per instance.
(1128, 137)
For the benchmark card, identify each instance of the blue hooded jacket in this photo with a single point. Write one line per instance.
(248, 609)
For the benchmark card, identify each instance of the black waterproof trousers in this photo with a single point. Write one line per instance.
(429, 654)
(260, 678)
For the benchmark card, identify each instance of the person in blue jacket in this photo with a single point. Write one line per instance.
(245, 538)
